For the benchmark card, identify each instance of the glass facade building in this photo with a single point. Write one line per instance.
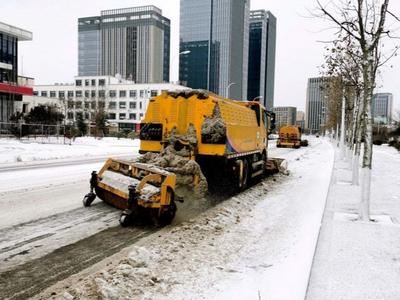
(216, 34)
(262, 47)
(382, 108)
(133, 42)
(316, 105)
(9, 89)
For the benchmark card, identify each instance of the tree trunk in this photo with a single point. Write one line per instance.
(367, 155)
(358, 135)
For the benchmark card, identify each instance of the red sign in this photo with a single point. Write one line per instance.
(13, 89)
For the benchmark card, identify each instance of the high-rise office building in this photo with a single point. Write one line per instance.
(216, 32)
(382, 107)
(10, 91)
(284, 115)
(133, 42)
(316, 104)
(261, 70)
(300, 119)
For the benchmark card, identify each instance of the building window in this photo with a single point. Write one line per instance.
(132, 94)
(112, 105)
(111, 116)
(93, 104)
(78, 104)
(132, 105)
(102, 82)
(141, 93)
(87, 94)
(87, 104)
(78, 94)
(93, 82)
(79, 115)
(153, 93)
(102, 94)
(52, 94)
(122, 116)
(61, 94)
(43, 93)
(93, 94)
(78, 82)
(122, 105)
(87, 116)
(102, 104)
(113, 94)
(35, 93)
(70, 94)
(140, 105)
(70, 104)
(132, 116)
(141, 116)
(87, 82)
(70, 115)
(122, 94)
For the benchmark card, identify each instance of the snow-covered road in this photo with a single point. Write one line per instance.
(44, 228)
(257, 244)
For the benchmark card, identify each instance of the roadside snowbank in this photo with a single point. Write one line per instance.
(259, 243)
(12, 150)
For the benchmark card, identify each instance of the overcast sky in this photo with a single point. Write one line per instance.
(52, 56)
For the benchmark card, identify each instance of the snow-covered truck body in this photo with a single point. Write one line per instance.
(223, 127)
(191, 141)
(230, 137)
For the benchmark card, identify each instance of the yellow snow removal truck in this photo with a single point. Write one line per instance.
(188, 138)
(289, 136)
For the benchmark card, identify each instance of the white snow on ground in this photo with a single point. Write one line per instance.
(355, 259)
(258, 244)
(13, 150)
(41, 203)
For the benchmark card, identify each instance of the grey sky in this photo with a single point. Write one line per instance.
(52, 55)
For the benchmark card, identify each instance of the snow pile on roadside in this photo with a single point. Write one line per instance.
(12, 150)
(257, 244)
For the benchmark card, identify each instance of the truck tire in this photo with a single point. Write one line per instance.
(168, 214)
(242, 185)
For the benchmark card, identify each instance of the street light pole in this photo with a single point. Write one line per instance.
(177, 55)
(227, 89)
(258, 97)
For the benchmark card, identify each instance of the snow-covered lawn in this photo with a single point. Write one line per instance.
(13, 150)
(256, 245)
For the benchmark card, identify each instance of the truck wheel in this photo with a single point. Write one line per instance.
(245, 177)
(125, 219)
(88, 199)
(168, 214)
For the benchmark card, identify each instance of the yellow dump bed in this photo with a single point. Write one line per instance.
(222, 127)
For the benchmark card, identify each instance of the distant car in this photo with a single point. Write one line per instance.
(273, 136)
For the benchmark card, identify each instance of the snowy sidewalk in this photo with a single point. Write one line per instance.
(354, 259)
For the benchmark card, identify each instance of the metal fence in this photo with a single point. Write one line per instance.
(53, 134)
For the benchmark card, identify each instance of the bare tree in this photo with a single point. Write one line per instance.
(342, 61)
(363, 21)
